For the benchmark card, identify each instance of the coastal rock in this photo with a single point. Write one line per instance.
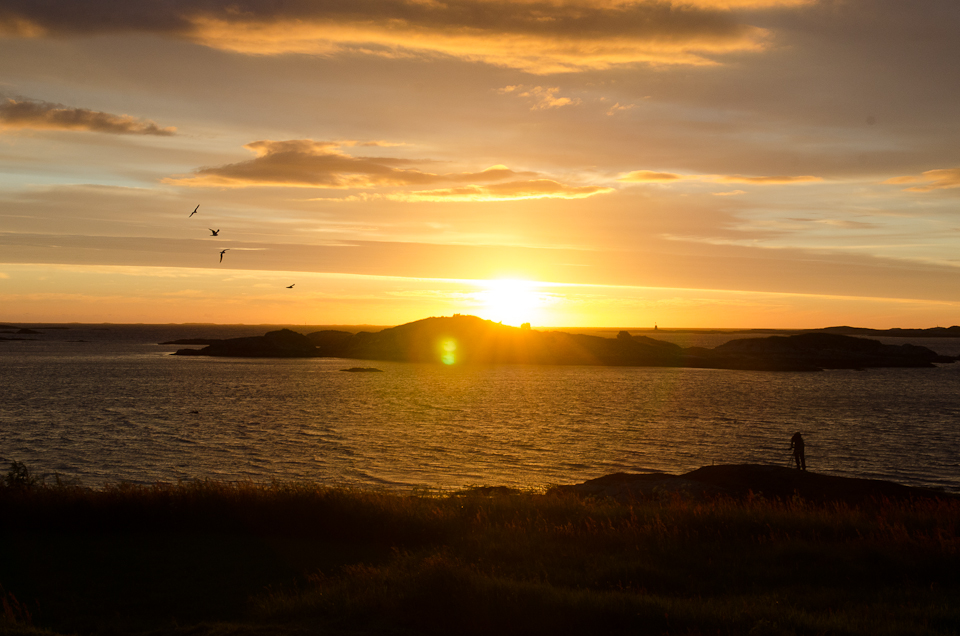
(630, 486)
(362, 370)
(193, 341)
(827, 351)
(330, 342)
(743, 480)
(275, 344)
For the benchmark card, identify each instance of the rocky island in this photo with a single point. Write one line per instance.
(274, 344)
(472, 340)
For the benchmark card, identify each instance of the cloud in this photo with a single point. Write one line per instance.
(543, 98)
(942, 179)
(846, 224)
(304, 163)
(510, 191)
(616, 108)
(34, 114)
(778, 180)
(650, 176)
(533, 35)
(747, 4)
(324, 164)
(732, 193)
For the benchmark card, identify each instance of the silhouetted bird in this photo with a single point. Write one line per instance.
(290, 286)
(221, 253)
(194, 210)
(213, 232)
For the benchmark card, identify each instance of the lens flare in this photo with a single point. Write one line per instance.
(448, 351)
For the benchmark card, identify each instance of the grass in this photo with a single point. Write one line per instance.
(216, 558)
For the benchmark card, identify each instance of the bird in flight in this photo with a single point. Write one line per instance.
(213, 232)
(194, 210)
(290, 286)
(221, 253)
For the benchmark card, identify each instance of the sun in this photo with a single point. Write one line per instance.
(511, 301)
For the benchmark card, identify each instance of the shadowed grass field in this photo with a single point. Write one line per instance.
(283, 558)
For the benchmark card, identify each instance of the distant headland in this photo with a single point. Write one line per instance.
(462, 339)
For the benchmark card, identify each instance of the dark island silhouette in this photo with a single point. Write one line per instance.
(896, 332)
(275, 344)
(471, 340)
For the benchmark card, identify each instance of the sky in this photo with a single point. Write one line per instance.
(705, 163)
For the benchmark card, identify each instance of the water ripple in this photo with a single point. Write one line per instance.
(117, 411)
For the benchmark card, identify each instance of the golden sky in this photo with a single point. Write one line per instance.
(697, 163)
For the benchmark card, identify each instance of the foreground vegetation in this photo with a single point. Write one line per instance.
(216, 558)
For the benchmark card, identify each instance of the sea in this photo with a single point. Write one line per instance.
(104, 404)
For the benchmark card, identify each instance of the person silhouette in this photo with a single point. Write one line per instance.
(796, 444)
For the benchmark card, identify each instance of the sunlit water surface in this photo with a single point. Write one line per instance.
(118, 407)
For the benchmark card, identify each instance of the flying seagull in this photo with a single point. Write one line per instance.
(194, 210)
(290, 286)
(221, 253)
(213, 232)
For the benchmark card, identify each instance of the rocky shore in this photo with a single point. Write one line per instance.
(744, 480)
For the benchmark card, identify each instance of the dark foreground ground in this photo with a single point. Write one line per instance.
(722, 550)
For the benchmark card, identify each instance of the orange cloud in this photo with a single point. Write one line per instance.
(511, 191)
(747, 4)
(778, 180)
(543, 98)
(39, 115)
(324, 164)
(942, 179)
(540, 37)
(649, 176)
(617, 108)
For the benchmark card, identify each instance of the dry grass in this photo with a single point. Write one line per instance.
(211, 557)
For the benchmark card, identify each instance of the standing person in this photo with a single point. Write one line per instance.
(796, 443)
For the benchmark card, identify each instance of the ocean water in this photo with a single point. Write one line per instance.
(108, 404)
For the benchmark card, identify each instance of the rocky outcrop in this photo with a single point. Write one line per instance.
(827, 351)
(275, 344)
(744, 480)
(193, 341)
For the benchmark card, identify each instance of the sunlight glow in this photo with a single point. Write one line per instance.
(511, 301)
